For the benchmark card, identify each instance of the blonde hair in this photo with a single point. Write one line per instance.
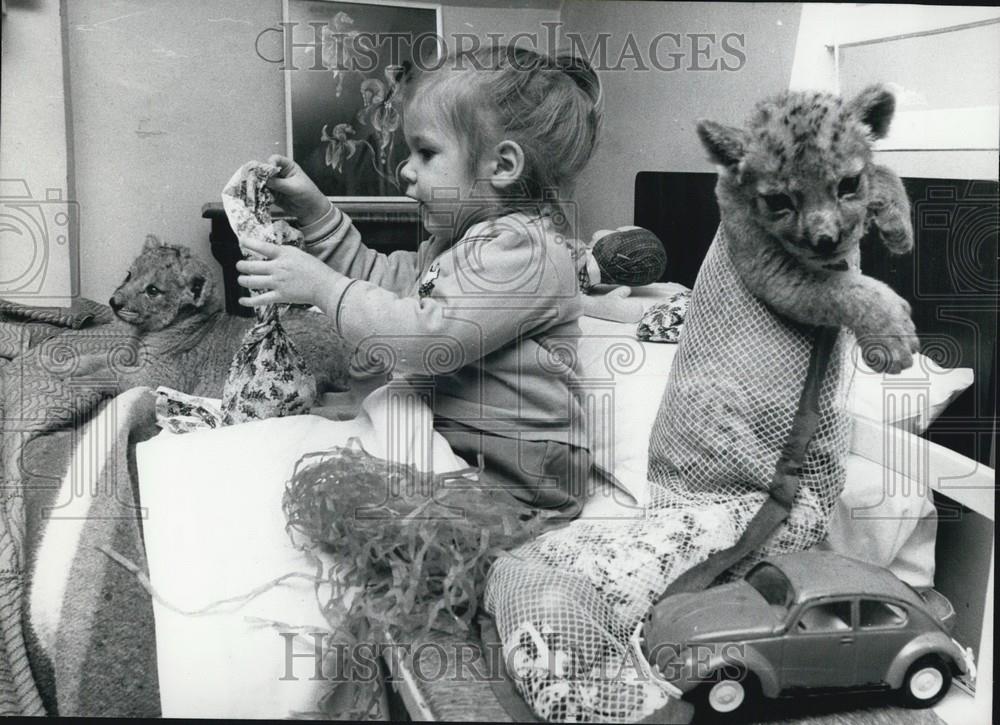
(549, 104)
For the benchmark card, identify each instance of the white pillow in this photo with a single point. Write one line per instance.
(893, 531)
(911, 400)
(626, 378)
(215, 530)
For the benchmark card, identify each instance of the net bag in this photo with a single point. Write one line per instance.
(268, 377)
(568, 605)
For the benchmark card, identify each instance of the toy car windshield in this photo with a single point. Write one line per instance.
(772, 584)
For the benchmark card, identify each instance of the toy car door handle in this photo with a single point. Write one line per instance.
(846, 640)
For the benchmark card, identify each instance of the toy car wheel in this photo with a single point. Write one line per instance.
(727, 695)
(926, 682)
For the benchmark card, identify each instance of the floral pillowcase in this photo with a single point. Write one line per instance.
(664, 321)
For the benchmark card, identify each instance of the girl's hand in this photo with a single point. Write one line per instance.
(296, 192)
(287, 273)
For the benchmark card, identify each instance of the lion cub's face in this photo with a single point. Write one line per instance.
(801, 170)
(163, 285)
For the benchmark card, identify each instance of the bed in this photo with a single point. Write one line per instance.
(194, 484)
(200, 513)
(212, 529)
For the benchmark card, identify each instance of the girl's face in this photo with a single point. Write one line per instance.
(438, 173)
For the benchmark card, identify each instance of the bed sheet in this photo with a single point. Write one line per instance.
(216, 530)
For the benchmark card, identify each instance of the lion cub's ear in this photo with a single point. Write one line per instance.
(726, 145)
(152, 242)
(874, 107)
(199, 281)
(197, 287)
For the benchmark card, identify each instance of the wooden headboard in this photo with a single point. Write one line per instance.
(950, 279)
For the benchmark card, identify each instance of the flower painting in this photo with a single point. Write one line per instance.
(344, 62)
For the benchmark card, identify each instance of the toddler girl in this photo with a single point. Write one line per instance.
(485, 311)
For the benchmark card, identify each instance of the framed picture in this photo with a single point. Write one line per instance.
(343, 113)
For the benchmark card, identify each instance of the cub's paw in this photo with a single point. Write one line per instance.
(889, 341)
(889, 211)
(893, 228)
(886, 354)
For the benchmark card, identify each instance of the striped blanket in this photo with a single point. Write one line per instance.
(76, 630)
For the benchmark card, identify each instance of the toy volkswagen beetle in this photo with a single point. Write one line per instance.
(804, 622)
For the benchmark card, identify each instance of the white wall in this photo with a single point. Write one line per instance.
(168, 101)
(170, 98)
(948, 97)
(36, 250)
(650, 116)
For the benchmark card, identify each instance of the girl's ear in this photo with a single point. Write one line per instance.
(508, 164)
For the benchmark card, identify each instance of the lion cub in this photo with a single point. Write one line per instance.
(797, 190)
(173, 332)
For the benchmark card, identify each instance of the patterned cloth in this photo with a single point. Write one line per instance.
(179, 412)
(268, 377)
(664, 322)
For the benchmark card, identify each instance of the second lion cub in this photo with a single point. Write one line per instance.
(171, 331)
